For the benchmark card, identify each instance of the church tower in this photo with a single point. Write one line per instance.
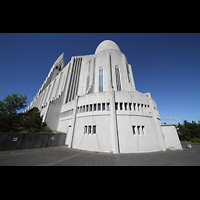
(94, 101)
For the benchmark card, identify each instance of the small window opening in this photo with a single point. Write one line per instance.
(116, 106)
(121, 106)
(99, 106)
(86, 108)
(103, 106)
(138, 127)
(133, 129)
(143, 130)
(130, 105)
(94, 129)
(85, 130)
(134, 105)
(108, 106)
(125, 106)
(95, 107)
(90, 107)
(89, 129)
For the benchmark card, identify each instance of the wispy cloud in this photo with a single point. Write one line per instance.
(172, 118)
(198, 116)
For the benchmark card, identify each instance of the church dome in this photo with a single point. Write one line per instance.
(107, 44)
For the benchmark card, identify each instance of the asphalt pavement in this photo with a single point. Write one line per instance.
(64, 156)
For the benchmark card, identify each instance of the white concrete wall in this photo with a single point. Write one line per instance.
(136, 143)
(94, 142)
(171, 137)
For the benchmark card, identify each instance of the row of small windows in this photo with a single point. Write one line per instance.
(138, 130)
(132, 106)
(118, 106)
(94, 107)
(106, 107)
(90, 129)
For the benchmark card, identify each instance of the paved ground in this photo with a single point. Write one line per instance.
(63, 156)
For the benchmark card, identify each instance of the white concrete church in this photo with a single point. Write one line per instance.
(94, 101)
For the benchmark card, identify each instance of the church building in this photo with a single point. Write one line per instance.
(93, 99)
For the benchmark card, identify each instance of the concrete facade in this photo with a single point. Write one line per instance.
(94, 101)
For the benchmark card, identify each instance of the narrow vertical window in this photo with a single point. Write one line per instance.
(101, 80)
(89, 129)
(99, 106)
(116, 106)
(133, 129)
(125, 106)
(121, 106)
(138, 107)
(138, 127)
(95, 107)
(134, 106)
(143, 130)
(130, 105)
(87, 83)
(85, 130)
(148, 109)
(103, 106)
(108, 106)
(111, 72)
(145, 110)
(128, 73)
(94, 129)
(118, 80)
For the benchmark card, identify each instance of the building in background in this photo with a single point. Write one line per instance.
(94, 101)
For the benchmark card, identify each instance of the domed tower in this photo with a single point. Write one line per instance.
(94, 101)
(107, 44)
(114, 65)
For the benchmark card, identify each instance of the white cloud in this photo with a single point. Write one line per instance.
(198, 116)
(172, 118)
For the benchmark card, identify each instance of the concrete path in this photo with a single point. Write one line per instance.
(63, 156)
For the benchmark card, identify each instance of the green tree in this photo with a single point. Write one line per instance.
(9, 120)
(189, 131)
(31, 121)
(11, 104)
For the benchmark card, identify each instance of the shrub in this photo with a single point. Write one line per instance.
(31, 121)
(195, 140)
(189, 131)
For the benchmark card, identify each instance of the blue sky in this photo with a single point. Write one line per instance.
(165, 64)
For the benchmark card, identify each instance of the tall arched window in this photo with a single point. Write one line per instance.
(101, 79)
(118, 80)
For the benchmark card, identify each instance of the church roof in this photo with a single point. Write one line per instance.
(107, 44)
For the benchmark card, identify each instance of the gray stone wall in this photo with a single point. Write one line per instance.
(17, 141)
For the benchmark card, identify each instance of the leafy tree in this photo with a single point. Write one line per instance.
(11, 104)
(189, 131)
(8, 111)
(31, 121)
(11, 121)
